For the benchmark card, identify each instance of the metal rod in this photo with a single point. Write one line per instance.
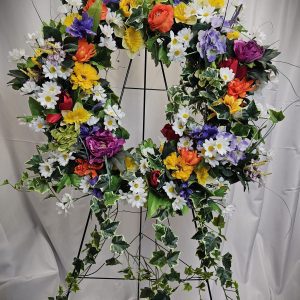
(125, 81)
(131, 279)
(165, 78)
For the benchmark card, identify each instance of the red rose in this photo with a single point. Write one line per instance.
(161, 18)
(169, 133)
(53, 118)
(153, 180)
(66, 102)
(233, 64)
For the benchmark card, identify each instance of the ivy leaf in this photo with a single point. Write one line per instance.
(158, 259)
(112, 262)
(219, 221)
(155, 202)
(172, 258)
(95, 12)
(173, 276)
(241, 130)
(226, 260)
(222, 111)
(169, 239)
(224, 275)
(276, 116)
(118, 244)
(52, 32)
(160, 230)
(109, 228)
(187, 287)
(65, 181)
(39, 185)
(110, 198)
(95, 205)
(146, 292)
(161, 295)
(35, 107)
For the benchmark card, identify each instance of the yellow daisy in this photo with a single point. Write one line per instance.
(78, 116)
(132, 41)
(233, 103)
(181, 16)
(126, 6)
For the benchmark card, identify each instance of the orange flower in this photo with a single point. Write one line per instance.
(84, 168)
(104, 9)
(161, 18)
(239, 88)
(85, 51)
(190, 158)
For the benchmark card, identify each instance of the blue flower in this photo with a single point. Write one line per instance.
(81, 28)
(204, 133)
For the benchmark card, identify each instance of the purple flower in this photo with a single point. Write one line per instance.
(247, 52)
(81, 28)
(235, 157)
(217, 21)
(243, 145)
(86, 130)
(97, 193)
(211, 43)
(102, 144)
(93, 181)
(204, 133)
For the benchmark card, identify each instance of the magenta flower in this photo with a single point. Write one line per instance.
(102, 143)
(247, 52)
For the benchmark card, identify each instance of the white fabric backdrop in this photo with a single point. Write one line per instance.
(37, 246)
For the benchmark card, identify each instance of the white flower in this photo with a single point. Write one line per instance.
(212, 161)
(110, 123)
(114, 111)
(47, 100)
(229, 210)
(185, 142)
(107, 30)
(205, 13)
(192, 9)
(137, 186)
(146, 151)
(209, 147)
(92, 121)
(114, 18)
(185, 35)
(85, 184)
(179, 126)
(46, 169)
(178, 203)
(29, 87)
(137, 200)
(75, 3)
(65, 204)
(108, 42)
(169, 188)
(51, 88)
(174, 40)
(99, 93)
(50, 70)
(38, 124)
(144, 166)
(16, 55)
(222, 145)
(177, 53)
(63, 72)
(183, 114)
(226, 74)
(64, 158)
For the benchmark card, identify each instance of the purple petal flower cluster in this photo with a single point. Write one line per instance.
(81, 28)
(205, 133)
(211, 43)
(185, 193)
(86, 130)
(217, 21)
(101, 144)
(247, 52)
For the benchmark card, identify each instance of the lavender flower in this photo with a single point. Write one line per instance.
(81, 28)
(204, 133)
(211, 43)
(247, 52)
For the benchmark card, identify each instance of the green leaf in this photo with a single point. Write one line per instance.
(109, 228)
(112, 262)
(226, 260)
(169, 239)
(75, 180)
(158, 259)
(276, 116)
(172, 258)
(241, 130)
(35, 107)
(162, 55)
(121, 132)
(146, 292)
(39, 185)
(118, 244)
(222, 111)
(65, 181)
(161, 295)
(95, 12)
(224, 275)
(187, 287)
(219, 221)
(110, 198)
(155, 202)
(52, 32)
(95, 205)
(160, 230)
(173, 276)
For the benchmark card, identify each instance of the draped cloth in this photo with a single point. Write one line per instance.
(37, 245)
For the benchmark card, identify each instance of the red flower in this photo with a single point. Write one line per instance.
(84, 168)
(53, 118)
(233, 64)
(239, 88)
(169, 133)
(153, 180)
(104, 9)
(161, 18)
(66, 102)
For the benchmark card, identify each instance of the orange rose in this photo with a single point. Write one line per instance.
(239, 88)
(85, 51)
(84, 168)
(161, 18)
(103, 10)
(190, 158)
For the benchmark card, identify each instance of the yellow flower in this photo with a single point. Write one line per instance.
(216, 3)
(171, 161)
(132, 41)
(130, 164)
(184, 171)
(84, 76)
(202, 175)
(233, 35)
(126, 6)
(233, 103)
(78, 116)
(181, 16)
(69, 19)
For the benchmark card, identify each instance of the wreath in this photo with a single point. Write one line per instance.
(213, 138)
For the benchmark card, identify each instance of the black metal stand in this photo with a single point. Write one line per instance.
(140, 234)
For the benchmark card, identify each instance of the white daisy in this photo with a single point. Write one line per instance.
(51, 88)
(169, 188)
(63, 72)
(75, 3)
(177, 53)
(38, 124)
(65, 205)
(92, 121)
(137, 186)
(205, 13)
(144, 166)
(85, 184)
(108, 42)
(64, 158)
(137, 200)
(185, 35)
(185, 142)
(212, 161)
(16, 55)
(99, 93)
(110, 123)
(178, 203)
(47, 100)
(209, 147)
(114, 111)
(50, 70)
(46, 169)
(179, 126)
(107, 30)
(146, 151)
(114, 18)
(183, 114)
(222, 145)
(227, 74)
(29, 87)
(174, 40)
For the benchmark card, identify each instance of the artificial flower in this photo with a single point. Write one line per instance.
(53, 118)
(81, 28)
(85, 76)
(51, 87)
(85, 51)
(183, 170)
(153, 178)
(92, 120)
(247, 52)
(210, 148)
(180, 15)
(130, 164)
(104, 9)
(137, 200)
(110, 123)
(108, 42)
(47, 100)
(50, 70)
(137, 186)
(189, 158)
(65, 101)
(132, 41)
(177, 53)
(160, 18)
(169, 133)
(84, 168)
(184, 36)
(216, 3)
(16, 55)
(232, 63)
(239, 88)
(233, 35)
(64, 72)
(202, 175)
(64, 158)
(226, 74)
(64, 138)
(179, 126)
(85, 184)
(171, 161)
(38, 124)
(144, 166)
(69, 19)
(170, 189)
(46, 169)
(233, 103)
(185, 142)
(126, 6)
(205, 13)
(77, 116)
(222, 145)
(178, 203)
(114, 112)
(29, 87)
(75, 3)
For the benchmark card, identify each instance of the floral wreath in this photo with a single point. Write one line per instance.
(72, 103)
